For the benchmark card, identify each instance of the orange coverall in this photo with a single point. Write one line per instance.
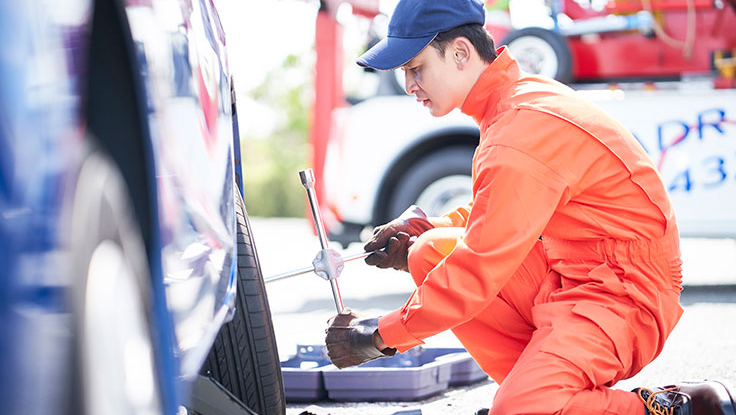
(556, 319)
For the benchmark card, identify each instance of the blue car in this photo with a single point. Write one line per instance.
(127, 268)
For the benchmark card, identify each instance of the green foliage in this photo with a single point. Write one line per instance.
(271, 164)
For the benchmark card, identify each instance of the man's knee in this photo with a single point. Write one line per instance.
(421, 259)
(545, 389)
(429, 249)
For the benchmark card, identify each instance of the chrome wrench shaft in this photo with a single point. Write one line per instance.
(307, 178)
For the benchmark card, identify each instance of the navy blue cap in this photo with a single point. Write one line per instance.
(414, 24)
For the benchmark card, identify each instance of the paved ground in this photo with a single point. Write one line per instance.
(702, 346)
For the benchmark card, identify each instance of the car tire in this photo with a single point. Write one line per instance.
(115, 369)
(244, 358)
(541, 52)
(437, 183)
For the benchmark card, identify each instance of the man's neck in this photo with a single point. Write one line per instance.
(474, 71)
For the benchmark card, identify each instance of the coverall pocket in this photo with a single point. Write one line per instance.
(652, 327)
(594, 339)
(583, 281)
(670, 310)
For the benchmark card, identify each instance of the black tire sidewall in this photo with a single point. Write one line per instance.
(442, 163)
(244, 357)
(250, 274)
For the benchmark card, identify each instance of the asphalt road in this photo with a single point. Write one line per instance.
(702, 346)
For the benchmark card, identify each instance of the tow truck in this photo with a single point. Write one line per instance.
(664, 68)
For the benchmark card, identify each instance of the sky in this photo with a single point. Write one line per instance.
(262, 33)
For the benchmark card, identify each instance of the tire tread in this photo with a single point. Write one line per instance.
(244, 358)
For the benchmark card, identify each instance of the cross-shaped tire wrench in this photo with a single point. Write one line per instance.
(328, 264)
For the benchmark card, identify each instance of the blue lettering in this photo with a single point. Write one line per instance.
(717, 171)
(721, 118)
(681, 180)
(681, 132)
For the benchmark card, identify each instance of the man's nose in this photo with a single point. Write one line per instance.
(410, 83)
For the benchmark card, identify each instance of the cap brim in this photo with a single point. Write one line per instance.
(392, 52)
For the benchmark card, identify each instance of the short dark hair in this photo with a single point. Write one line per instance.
(475, 33)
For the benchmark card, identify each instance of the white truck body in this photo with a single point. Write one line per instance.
(687, 127)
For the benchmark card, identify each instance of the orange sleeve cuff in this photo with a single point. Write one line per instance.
(394, 334)
(441, 222)
(458, 217)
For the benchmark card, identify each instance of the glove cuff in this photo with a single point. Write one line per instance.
(350, 340)
(415, 220)
(361, 340)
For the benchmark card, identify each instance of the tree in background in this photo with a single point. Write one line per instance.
(271, 164)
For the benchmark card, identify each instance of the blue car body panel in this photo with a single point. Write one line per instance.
(180, 65)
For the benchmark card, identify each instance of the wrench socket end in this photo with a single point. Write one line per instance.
(307, 178)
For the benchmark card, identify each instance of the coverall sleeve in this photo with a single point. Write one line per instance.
(515, 195)
(457, 217)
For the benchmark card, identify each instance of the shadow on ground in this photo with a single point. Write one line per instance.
(386, 301)
(694, 294)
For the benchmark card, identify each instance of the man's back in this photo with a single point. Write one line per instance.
(613, 188)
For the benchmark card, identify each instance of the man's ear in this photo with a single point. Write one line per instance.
(461, 48)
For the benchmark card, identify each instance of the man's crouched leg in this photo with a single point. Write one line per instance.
(691, 398)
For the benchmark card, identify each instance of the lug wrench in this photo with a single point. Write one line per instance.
(306, 270)
(328, 264)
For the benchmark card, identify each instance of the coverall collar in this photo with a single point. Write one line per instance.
(492, 85)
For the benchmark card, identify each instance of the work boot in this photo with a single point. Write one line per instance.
(695, 398)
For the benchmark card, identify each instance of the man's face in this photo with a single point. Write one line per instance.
(432, 80)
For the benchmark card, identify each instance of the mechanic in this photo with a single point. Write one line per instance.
(563, 275)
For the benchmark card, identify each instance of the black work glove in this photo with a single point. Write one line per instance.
(391, 241)
(349, 340)
(395, 255)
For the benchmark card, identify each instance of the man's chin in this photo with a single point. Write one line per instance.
(438, 112)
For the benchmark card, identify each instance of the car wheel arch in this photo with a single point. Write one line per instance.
(422, 147)
(116, 105)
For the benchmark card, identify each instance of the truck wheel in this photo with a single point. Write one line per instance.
(438, 183)
(244, 358)
(398, 81)
(114, 359)
(541, 52)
